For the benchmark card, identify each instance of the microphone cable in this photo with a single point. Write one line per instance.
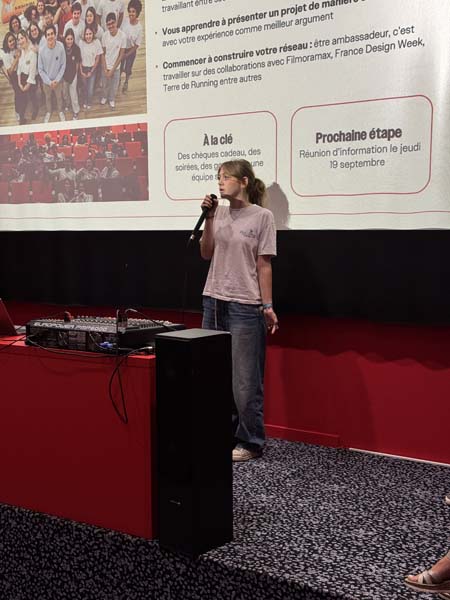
(186, 258)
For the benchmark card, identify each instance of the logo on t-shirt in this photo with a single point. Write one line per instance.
(251, 233)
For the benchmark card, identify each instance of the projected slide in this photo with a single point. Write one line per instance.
(342, 107)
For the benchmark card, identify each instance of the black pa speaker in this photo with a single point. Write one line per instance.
(195, 477)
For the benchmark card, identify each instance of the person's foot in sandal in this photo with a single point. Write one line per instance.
(436, 579)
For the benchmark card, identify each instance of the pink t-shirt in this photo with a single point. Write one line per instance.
(240, 236)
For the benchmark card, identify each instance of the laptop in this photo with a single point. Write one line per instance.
(6, 325)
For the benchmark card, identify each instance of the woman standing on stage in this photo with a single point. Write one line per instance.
(240, 240)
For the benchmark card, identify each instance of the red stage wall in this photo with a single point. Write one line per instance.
(356, 384)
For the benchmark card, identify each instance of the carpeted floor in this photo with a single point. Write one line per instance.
(310, 523)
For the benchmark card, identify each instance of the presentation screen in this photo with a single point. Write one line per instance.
(116, 115)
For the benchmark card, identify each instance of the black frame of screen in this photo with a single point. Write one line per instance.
(381, 275)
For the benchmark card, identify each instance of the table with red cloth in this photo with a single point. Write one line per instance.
(64, 449)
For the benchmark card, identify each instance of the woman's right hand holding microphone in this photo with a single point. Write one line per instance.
(210, 202)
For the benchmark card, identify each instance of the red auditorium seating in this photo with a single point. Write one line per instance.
(133, 127)
(124, 136)
(117, 128)
(62, 132)
(67, 150)
(81, 152)
(20, 192)
(4, 189)
(141, 165)
(20, 140)
(143, 186)
(42, 191)
(140, 136)
(112, 190)
(134, 149)
(6, 149)
(125, 165)
(39, 136)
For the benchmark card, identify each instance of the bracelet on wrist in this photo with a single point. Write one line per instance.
(267, 305)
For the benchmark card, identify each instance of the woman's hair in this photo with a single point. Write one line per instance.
(94, 24)
(69, 32)
(28, 11)
(136, 4)
(12, 20)
(34, 40)
(256, 189)
(88, 28)
(23, 33)
(5, 41)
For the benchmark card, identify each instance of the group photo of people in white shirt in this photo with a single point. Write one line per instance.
(64, 61)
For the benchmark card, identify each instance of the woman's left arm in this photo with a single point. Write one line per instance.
(264, 270)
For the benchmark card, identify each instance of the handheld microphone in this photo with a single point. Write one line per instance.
(201, 219)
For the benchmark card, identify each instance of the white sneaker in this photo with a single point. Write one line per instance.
(47, 117)
(242, 454)
(112, 104)
(62, 116)
(84, 106)
(75, 116)
(103, 101)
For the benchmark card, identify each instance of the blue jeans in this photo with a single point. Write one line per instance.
(88, 85)
(126, 65)
(246, 324)
(110, 85)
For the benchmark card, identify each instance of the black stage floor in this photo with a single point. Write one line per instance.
(311, 523)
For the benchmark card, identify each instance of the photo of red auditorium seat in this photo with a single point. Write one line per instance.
(141, 165)
(81, 152)
(125, 165)
(20, 192)
(42, 191)
(134, 149)
(143, 188)
(112, 190)
(66, 150)
(124, 136)
(4, 189)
